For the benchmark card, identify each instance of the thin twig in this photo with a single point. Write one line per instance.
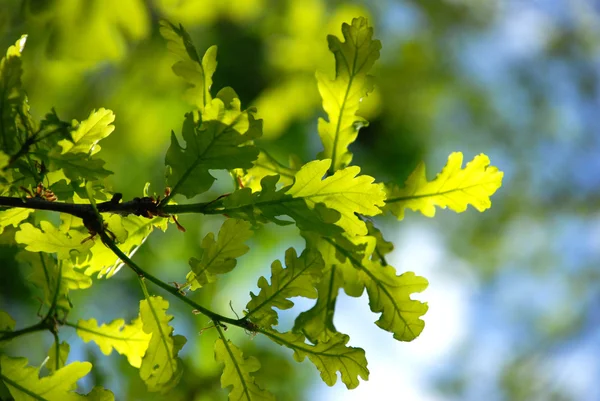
(145, 275)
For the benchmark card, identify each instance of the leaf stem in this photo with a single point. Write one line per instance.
(56, 350)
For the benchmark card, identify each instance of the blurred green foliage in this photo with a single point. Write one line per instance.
(445, 82)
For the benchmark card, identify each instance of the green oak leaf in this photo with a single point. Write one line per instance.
(218, 140)
(49, 239)
(237, 373)
(329, 357)
(132, 232)
(344, 191)
(269, 204)
(197, 74)
(335, 199)
(127, 339)
(161, 368)
(266, 165)
(296, 280)
(317, 322)
(57, 356)
(4, 160)
(7, 324)
(342, 95)
(12, 97)
(79, 166)
(24, 383)
(87, 133)
(219, 257)
(454, 187)
(5, 176)
(389, 294)
(54, 278)
(382, 247)
(13, 217)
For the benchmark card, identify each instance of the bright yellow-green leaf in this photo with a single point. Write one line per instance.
(57, 356)
(78, 166)
(127, 339)
(344, 191)
(339, 272)
(132, 230)
(24, 383)
(217, 140)
(237, 373)
(50, 240)
(329, 357)
(161, 368)
(13, 217)
(4, 160)
(454, 187)
(389, 294)
(296, 280)
(342, 96)
(219, 257)
(263, 166)
(89, 132)
(317, 322)
(198, 74)
(270, 204)
(7, 324)
(382, 247)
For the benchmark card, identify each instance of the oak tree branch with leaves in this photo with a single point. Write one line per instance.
(53, 165)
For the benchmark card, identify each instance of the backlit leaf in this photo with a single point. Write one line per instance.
(269, 204)
(218, 140)
(6, 177)
(296, 280)
(345, 191)
(317, 322)
(454, 187)
(329, 357)
(102, 260)
(89, 132)
(127, 339)
(389, 294)
(237, 373)
(219, 256)
(161, 368)
(263, 166)
(342, 96)
(198, 74)
(57, 356)
(7, 324)
(382, 247)
(46, 273)
(24, 383)
(78, 166)
(49, 239)
(13, 217)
